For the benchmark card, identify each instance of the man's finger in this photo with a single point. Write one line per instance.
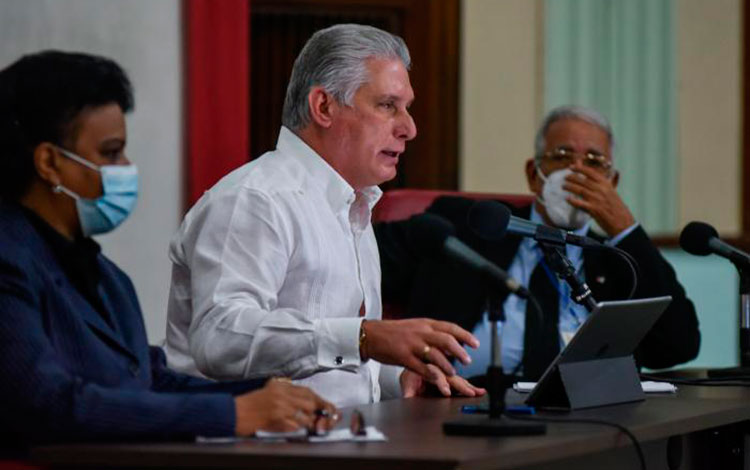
(440, 381)
(581, 204)
(311, 402)
(416, 365)
(599, 184)
(595, 175)
(580, 190)
(463, 387)
(436, 357)
(450, 346)
(479, 390)
(456, 331)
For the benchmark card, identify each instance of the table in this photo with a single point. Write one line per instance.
(663, 424)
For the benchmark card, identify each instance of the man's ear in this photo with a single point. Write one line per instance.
(321, 105)
(532, 177)
(46, 163)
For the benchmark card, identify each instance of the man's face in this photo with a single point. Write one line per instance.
(370, 134)
(572, 135)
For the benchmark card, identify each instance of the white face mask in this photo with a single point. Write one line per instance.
(559, 211)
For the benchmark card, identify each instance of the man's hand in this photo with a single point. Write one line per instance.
(413, 384)
(280, 407)
(599, 198)
(416, 343)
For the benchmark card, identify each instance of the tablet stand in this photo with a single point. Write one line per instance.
(587, 384)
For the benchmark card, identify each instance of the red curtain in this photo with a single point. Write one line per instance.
(217, 84)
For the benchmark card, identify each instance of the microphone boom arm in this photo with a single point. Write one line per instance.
(562, 266)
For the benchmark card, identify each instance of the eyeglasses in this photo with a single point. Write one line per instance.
(563, 158)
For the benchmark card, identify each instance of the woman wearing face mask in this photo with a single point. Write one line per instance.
(74, 359)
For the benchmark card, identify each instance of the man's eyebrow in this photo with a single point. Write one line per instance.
(392, 97)
(389, 98)
(595, 151)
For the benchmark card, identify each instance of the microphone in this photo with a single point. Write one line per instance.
(491, 220)
(433, 235)
(698, 238)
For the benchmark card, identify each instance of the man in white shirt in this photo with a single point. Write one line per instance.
(276, 269)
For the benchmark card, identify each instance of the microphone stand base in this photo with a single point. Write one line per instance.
(484, 426)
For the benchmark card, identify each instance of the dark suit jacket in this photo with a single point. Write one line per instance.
(439, 289)
(66, 374)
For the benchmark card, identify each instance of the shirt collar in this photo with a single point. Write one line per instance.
(339, 193)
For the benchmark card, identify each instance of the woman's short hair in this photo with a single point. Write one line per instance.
(41, 97)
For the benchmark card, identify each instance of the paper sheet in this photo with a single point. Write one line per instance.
(648, 387)
(335, 435)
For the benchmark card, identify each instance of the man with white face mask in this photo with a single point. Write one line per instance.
(572, 173)
(574, 180)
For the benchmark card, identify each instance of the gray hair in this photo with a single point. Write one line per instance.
(571, 112)
(335, 58)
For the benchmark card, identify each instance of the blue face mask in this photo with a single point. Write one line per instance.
(120, 193)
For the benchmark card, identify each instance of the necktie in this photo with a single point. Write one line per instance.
(541, 339)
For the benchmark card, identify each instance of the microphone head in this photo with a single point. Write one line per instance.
(427, 233)
(489, 220)
(695, 237)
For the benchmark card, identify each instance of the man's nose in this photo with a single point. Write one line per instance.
(406, 128)
(578, 160)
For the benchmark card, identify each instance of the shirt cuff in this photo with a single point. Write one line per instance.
(618, 238)
(338, 343)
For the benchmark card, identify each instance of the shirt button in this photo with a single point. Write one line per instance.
(339, 360)
(134, 369)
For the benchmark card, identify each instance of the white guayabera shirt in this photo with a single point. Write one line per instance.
(270, 269)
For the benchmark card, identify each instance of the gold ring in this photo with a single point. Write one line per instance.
(282, 379)
(426, 353)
